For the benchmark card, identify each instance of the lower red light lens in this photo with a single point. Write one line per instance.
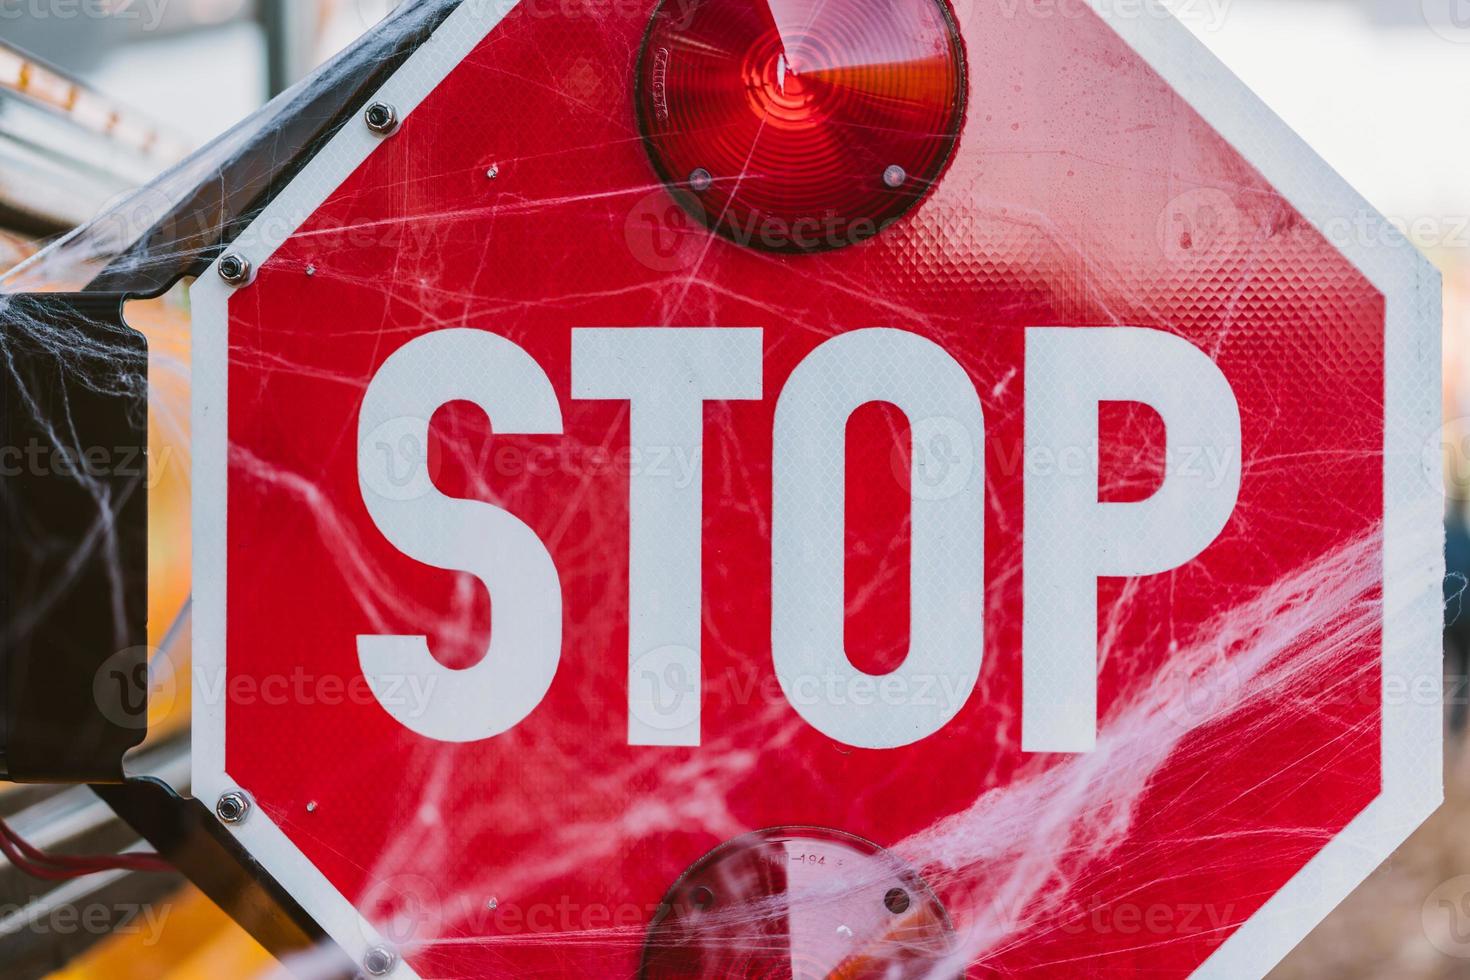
(801, 125)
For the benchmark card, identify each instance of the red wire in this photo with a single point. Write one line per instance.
(15, 858)
(63, 867)
(136, 862)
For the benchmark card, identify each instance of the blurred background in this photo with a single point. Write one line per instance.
(111, 92)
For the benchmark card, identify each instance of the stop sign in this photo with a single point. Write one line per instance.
(800, 489)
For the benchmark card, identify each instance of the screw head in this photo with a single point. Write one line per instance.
(895, 177)
(235, 269)
(233, 807)
(382, 118)
(897, 901)
(379, 961)
(701, 180)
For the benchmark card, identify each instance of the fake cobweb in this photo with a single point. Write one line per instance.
(1240, 727)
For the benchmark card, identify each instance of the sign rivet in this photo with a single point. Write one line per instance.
(701, 180)
(235, 269)
(895, 176)
(382, 118)
(380, 961)
(233, 807)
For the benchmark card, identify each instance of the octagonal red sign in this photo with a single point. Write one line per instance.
(1042, 580)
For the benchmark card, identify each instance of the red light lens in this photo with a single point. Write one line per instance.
(801, 125)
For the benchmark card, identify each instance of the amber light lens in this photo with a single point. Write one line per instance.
(801, 125)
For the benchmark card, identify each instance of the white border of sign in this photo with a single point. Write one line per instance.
(1412, 786)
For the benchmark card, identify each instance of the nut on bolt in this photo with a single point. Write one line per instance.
(379, 961)
(233, 807)
(382, 118)
(235, 269)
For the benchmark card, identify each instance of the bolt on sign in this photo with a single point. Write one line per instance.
(816, 488)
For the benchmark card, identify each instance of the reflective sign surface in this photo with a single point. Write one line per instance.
(1063, 544)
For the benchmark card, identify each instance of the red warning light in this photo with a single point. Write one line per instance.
(801, 125)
